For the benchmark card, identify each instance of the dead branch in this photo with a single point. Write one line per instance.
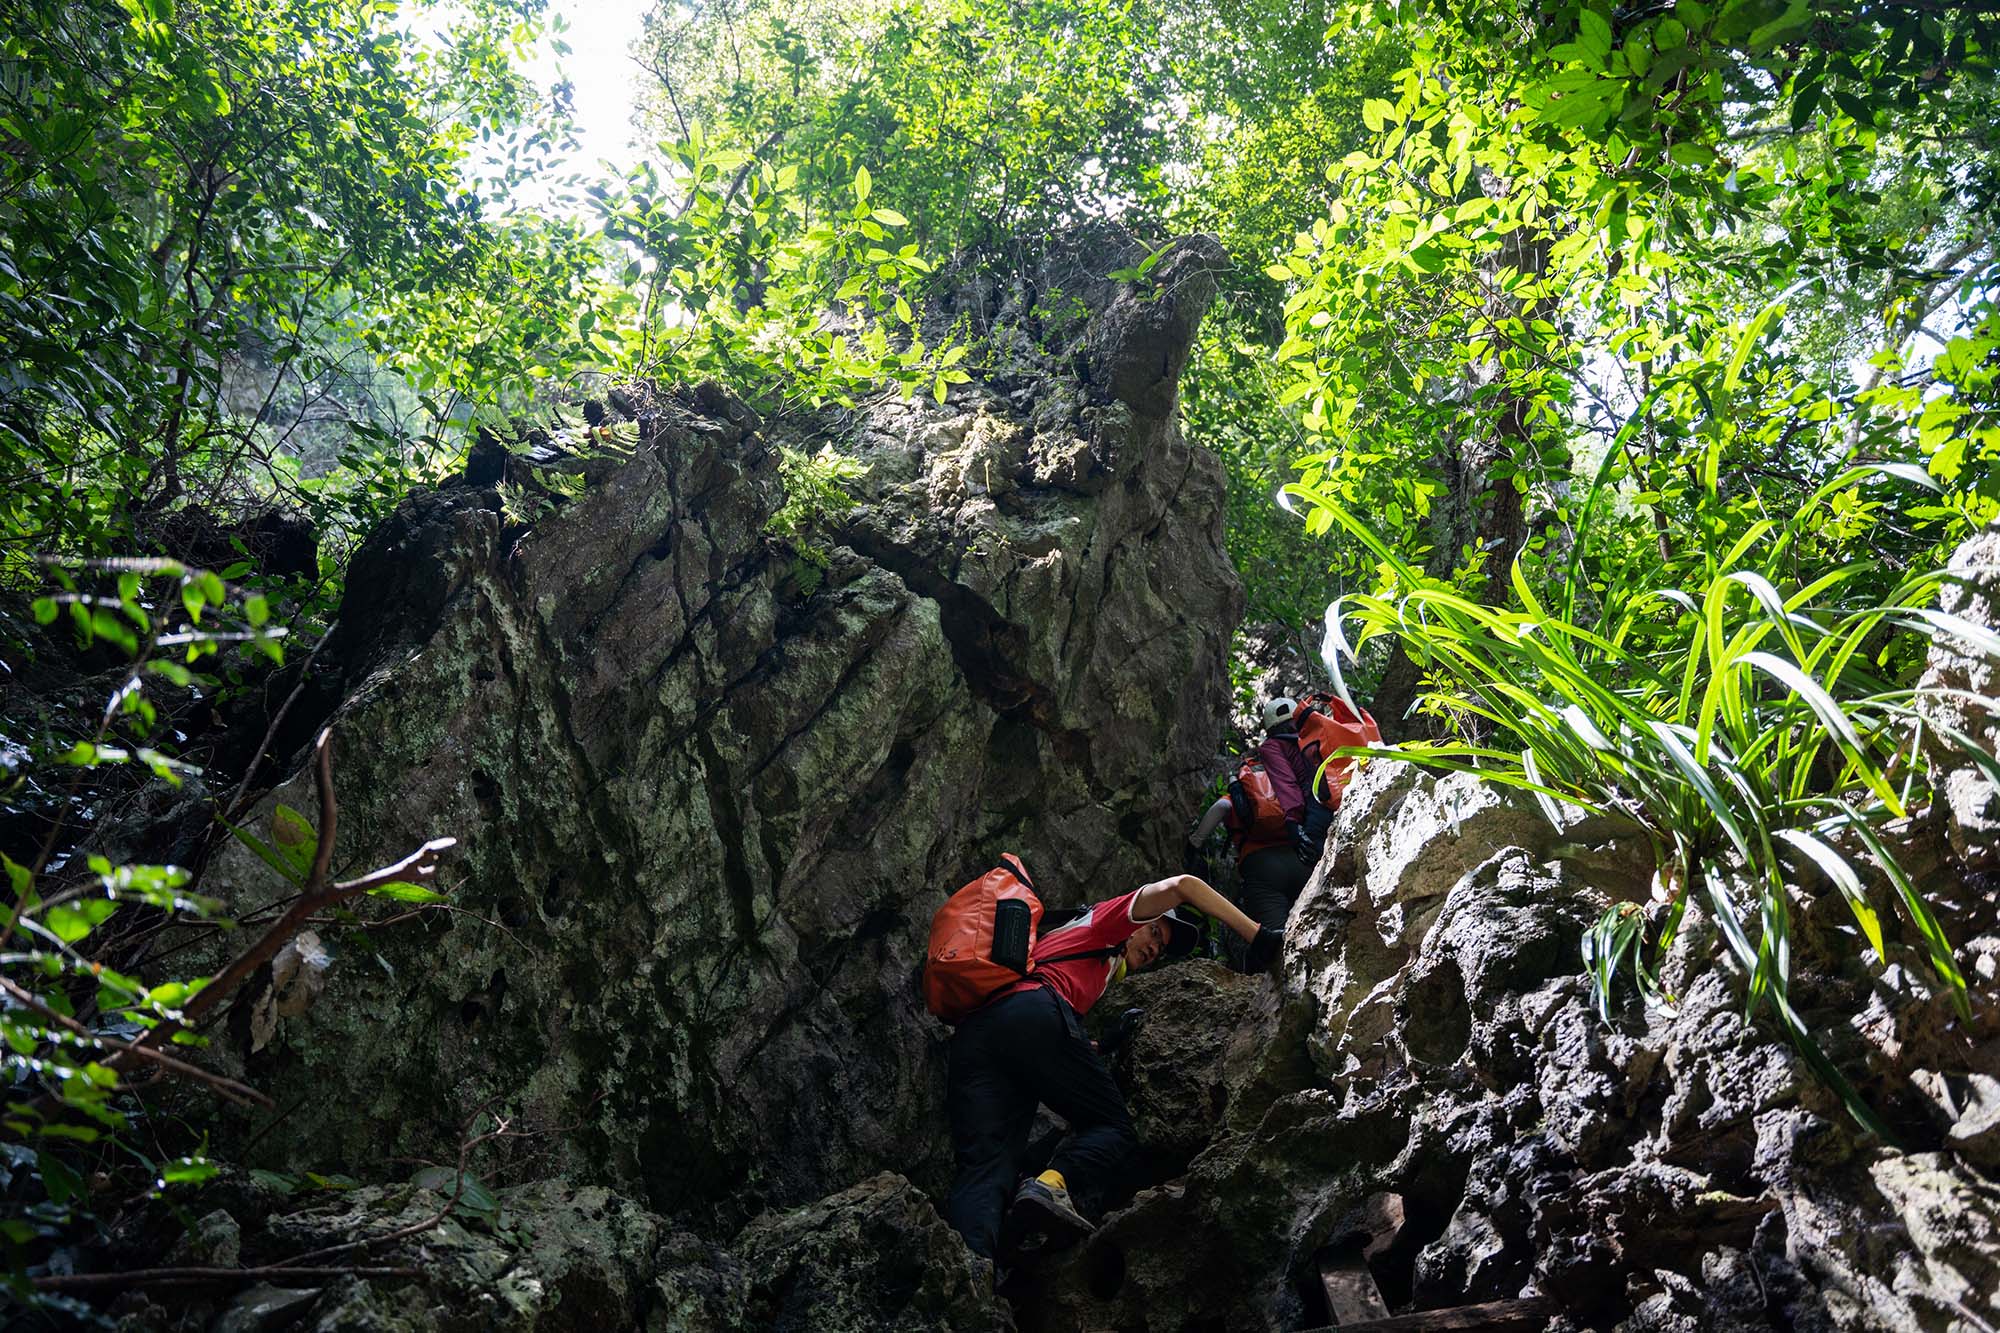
(182, 1277)
(235, 807)
(419, 867)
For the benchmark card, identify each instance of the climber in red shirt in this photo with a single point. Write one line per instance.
(1027, 1047)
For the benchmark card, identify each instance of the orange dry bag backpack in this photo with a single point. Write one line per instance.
(1254, 808)
(982, 939)
(1331, 722)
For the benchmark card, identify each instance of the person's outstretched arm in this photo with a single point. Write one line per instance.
(1210, 818)
(1166, 894)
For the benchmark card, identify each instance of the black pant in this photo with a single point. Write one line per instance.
(1018, 1051)
(1271, 881)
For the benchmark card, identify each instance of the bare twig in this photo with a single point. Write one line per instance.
(182, 1277)
(329, 812)
(418, 867)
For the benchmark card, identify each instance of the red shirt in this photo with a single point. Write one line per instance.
(1081, 981)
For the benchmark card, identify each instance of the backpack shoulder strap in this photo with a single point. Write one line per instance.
(1105, 952)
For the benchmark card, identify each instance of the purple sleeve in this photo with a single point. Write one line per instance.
(1281, 758)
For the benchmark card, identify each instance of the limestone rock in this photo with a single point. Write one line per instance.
(1662, 1170)
(264, 1308)
(1207, 1054)
(876, 1256)
(704, 815)
(1971, 803)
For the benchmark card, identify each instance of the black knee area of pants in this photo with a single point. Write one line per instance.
(1272, 880)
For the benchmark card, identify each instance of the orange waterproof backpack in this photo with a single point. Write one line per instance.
(1331, 722)
(1254, 809)
(980, 940)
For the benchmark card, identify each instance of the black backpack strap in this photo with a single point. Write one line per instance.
(1107, 952)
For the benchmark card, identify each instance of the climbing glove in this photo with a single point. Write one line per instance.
(1303, 844)
(1194, 860)
(1264, 949)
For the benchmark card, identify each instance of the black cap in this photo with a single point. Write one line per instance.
(1183, 935)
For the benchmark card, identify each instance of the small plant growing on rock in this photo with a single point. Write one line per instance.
(816, 495)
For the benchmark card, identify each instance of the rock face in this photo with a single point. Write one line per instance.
(1471, 1126)
(553, 1258)
(1971, 805)
(707, 798)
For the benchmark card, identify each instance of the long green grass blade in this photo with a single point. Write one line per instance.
(1683, 759)
(1835, 867)
(1935, 941)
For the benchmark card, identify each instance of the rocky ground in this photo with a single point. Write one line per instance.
(1427, 1091)
(708, 792)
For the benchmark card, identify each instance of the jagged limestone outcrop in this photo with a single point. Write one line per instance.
(1469, 1114)
(705, 805)
(1675, 1171)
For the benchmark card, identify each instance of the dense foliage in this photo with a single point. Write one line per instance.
(222, 224)
(1620, 376)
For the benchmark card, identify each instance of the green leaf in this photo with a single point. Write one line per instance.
(1836, 868)
(404, 892)
(187, 1171)
(275, 1181)
(70, 922)
(264, 852)
(294, 839)
(473, 1197)
(1751, 334)
(1594, 33)
(62, 1183)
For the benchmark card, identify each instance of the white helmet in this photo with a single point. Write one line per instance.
(1279, 710)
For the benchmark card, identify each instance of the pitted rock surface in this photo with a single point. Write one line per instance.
(1971, 805)
(704, 814)
(1661, 1170)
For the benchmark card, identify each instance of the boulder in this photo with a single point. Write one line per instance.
(1970, 808)
(876, 1256)
(704, 811)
